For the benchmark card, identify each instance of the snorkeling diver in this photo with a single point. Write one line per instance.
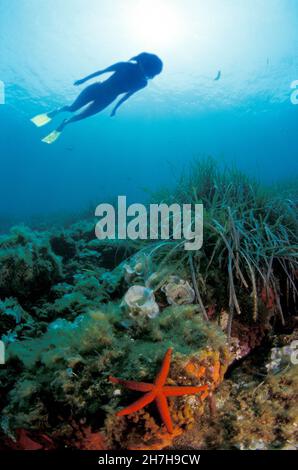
(128, 77)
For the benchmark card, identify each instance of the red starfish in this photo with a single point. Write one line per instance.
(157, 391)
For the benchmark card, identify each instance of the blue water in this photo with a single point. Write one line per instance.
(246, 117)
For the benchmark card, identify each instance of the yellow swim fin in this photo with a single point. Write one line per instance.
(41, 120)
(52, 137)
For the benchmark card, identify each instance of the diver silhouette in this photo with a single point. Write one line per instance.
(128, 78)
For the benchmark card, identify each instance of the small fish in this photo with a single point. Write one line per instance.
(218, 76)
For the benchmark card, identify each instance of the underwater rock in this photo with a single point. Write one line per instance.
(23, 441)
(157, 390)
(88, 440)
(266, 412)
(205, 368)
(83, 231)
(178, 291)
(77, 358)
(13, 319)
(140, 301)
(254, 410)
(244, 338)
(11, 314)
(63, 245)
(11, 310)
(86, 293)
(69, 306)
(28, 266)
(110, 252)
(112, 281)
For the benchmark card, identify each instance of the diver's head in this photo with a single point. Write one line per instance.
(151, 64)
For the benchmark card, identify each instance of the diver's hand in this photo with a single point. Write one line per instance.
(79, 82)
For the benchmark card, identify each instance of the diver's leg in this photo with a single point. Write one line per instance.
(88, 95)
(100, 102)
(85, 97)
(91, 110)
(57, 111)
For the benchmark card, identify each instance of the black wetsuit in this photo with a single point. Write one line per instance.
(127, 78)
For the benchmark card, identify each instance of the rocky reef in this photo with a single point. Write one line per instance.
(256, 406)
(75, 310)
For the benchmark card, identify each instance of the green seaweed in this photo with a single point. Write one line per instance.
(70, 364)
(28, 266)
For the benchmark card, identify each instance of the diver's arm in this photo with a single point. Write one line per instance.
(125, 98)
(120, 102)
(113, 68)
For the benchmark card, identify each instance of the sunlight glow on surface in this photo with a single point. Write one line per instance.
(157, 24)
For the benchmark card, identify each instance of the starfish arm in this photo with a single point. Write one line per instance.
(164, 371)
(164, 412)
(178, 391)
(131, 385)
(137, 405)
